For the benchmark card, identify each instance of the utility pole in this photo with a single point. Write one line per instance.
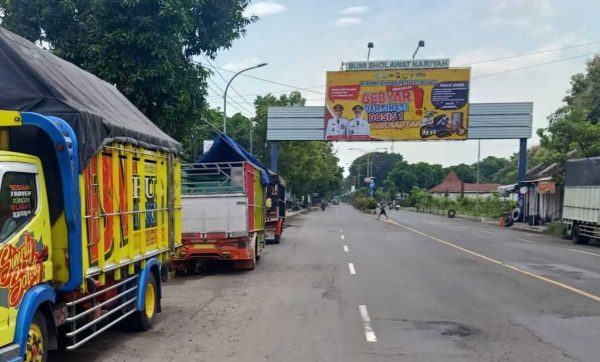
(251, 124)
(478, 158)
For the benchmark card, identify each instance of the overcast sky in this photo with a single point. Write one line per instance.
(302, 39)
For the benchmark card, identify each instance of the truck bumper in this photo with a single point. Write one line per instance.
(10, 353)
(194, 252)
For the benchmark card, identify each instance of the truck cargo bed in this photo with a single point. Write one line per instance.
(215, 213)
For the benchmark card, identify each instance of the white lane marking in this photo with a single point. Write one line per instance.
(342, 236)
(346, 248)
(369, 333)
(584, 252)
(351, 267)
(525, 240)
(487, 232)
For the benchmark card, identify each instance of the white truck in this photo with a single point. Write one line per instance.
(223, 208)
(581, 207)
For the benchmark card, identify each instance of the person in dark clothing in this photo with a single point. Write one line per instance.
(382, 211)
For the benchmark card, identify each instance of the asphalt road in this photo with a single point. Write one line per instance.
(343, 286)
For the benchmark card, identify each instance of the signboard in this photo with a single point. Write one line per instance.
(546, 187)
(207, 144)
(398, 64)
(415, 104)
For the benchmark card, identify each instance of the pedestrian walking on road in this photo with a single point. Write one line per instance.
(382, 211)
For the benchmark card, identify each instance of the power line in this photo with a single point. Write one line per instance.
(534, 65)
(268, 81)
(247, 114)
(221, 96)
(272, 92)
(226, 81)
(238, 107)
(530, 53)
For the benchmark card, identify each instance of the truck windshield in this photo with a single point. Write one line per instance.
(17, 202)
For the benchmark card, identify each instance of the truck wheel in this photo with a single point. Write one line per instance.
(143, 320)
(277, 239)
(37, 340)
(251, 264)
(578, 238)
(256, 257)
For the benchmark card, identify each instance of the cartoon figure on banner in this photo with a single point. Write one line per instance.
(337, 127)
(358, 128)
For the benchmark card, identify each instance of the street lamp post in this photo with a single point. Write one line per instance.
(225, 94)
(369, 163)
(420, 45)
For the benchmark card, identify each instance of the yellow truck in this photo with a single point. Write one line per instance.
(89, 205)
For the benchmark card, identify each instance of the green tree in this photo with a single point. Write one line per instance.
(489, 168)
(403, 180)
(144, 47)
(427, 175)
(262, 103)
(575, 127)
(307, 166)
(536, 155)
(464, 172)
(381, 165)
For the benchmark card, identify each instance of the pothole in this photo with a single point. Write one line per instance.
(447, 328)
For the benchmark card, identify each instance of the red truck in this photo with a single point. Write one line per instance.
(223, 208)
(276, 205)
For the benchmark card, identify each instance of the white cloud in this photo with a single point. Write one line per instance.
(355, 10)
(263, 8)
(532, 15)
(347, 21)
(242, 64)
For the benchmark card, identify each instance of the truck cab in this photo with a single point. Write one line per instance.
(25, 235)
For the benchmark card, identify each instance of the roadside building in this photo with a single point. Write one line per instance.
(454, 188)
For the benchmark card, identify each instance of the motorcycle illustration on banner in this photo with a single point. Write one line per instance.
(441, 126)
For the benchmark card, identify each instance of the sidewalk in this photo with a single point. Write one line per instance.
(487, 220)
(289, 214)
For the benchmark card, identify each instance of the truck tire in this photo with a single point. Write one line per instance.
(508, 220)
(255, 256)
(144, 320)
(516, 214)
(37, 340)
(578, 238)
(277, 239)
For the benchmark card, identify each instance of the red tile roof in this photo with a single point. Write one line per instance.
(452, 184)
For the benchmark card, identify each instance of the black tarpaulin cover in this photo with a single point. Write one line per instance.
(583, 172)
(34, 80)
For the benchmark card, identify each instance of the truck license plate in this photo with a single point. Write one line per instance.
(203, 246)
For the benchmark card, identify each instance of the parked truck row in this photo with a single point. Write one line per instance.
(91, 206)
